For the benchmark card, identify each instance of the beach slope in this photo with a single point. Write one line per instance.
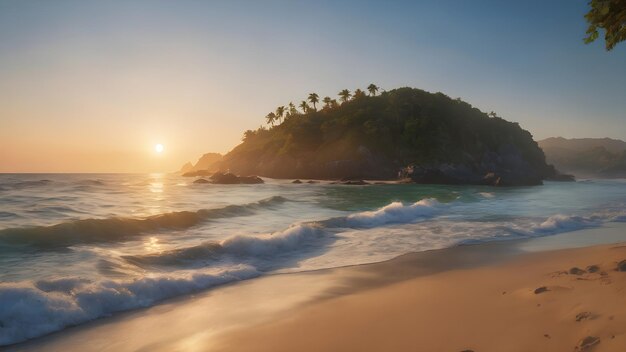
(565, 300)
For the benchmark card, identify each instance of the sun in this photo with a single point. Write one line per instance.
(158, 148)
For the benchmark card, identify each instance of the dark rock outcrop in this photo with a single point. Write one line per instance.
(562, 178)
(201, 180)
(506, 168)
(197, 173)
(232, 179)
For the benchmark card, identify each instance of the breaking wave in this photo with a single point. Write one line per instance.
(394, 213)
(262, 251)
(32, 309)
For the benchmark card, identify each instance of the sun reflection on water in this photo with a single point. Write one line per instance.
(152, 245)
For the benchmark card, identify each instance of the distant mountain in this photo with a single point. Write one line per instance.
(405, 132)
(586, 157)
(583, 144)
(207, 162)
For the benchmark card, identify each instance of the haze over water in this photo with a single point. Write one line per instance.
(75, 247)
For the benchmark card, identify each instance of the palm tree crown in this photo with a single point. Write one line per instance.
(314, 98)
(372, 88)
(280, 112)
(292, 109)
(358, 94)
(304, 106)
(270, 118)
(344, 95)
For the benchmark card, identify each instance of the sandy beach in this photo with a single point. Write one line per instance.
(537, 302)
(507, 296)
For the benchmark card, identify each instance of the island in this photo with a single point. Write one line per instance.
(404, 133)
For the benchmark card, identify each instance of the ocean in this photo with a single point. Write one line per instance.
(77, 247)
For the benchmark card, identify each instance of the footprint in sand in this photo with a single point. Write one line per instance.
(585, 316)
(621, 266)
(543, 289)
(576, 271)
(593, 268)
(587, 344)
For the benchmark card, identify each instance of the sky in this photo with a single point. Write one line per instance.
(93, 86)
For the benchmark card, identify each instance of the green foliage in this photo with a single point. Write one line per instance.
(372, 88)
(344, 95)
(609, 15)
(314, 98)
(402, 126)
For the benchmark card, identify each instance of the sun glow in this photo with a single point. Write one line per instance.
(158, 148)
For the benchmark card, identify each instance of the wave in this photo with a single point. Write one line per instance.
(565, 223)
(116, 229)
(394, 213)
(261, 251)
(92, 182)
(7, 214)
(26, 184)
(32, 309)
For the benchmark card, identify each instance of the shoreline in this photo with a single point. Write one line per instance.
(236, 309)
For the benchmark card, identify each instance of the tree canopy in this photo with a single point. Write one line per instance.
(609, 15)
(397, 127)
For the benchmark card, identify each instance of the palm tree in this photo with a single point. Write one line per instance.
(372, 88)
(247, 135)
(280, 113)
(314, 98)
(327, 101)
(270, 118)
(358, 94)
(344, 95)
(304, 106)
(292, 109)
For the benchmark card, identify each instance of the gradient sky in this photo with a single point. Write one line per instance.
(90, 86)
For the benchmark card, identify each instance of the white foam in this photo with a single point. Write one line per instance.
(564, 223)
(31, 309)
(395, 212)
(278, 242)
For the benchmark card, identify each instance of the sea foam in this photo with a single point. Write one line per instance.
(32, 309)
(395, 212)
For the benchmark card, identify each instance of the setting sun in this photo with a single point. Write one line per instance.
(158, 148)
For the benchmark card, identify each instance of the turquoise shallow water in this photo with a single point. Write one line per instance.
(75, 247)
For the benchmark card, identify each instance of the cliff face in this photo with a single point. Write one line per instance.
(405, 132)
(207, 162)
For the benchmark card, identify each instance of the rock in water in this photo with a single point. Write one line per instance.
(198, 173)
(250, 179)
(232, 179)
